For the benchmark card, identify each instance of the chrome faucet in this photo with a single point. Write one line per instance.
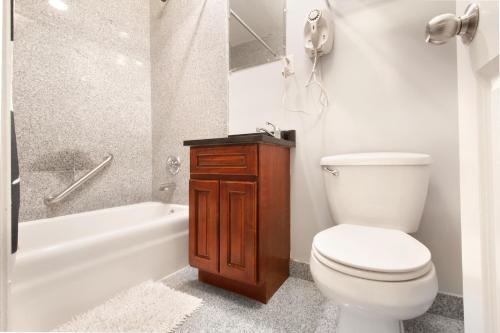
(166, 187)
(276, 132)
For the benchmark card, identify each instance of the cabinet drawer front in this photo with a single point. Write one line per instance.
(233, 160)
(204, 224)
(238, 231)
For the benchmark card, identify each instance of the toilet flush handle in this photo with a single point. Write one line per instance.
(334, 172)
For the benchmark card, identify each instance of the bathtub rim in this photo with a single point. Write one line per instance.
(178, 221)
(180, 211)
(110, 209)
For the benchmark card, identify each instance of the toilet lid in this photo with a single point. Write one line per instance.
(371, 275)
(372, 249)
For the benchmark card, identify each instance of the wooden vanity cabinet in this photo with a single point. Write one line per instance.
(239, 217)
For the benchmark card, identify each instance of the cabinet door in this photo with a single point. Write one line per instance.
(238, 231)
(204, 224)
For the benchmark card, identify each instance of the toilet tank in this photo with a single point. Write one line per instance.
(386, 190)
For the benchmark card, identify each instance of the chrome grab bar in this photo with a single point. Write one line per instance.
(50, 200)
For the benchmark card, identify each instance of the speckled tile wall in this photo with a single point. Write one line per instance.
(81, 91)
(189, 65)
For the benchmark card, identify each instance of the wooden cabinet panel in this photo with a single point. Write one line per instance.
(234, 160)
(239, 217)
(204, 224)
(238, 231)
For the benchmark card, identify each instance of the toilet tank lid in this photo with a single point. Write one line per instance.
(382, 158)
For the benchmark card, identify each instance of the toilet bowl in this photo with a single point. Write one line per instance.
(368, 264)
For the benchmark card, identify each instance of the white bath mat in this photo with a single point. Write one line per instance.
(148, 307)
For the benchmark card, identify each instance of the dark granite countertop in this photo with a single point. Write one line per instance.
(287, 140)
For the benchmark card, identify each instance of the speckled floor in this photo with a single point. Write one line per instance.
(298, 306)
(432, 323)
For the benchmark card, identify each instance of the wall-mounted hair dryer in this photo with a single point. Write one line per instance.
(318, 41)
(318, 35)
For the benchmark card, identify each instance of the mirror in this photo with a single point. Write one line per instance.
(257, 32)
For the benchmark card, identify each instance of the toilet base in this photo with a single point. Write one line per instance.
(354, 321)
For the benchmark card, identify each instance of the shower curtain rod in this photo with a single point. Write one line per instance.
(250, 30)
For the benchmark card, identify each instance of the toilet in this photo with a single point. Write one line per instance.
(368, 263)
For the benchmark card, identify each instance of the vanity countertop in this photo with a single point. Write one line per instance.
(287, 140)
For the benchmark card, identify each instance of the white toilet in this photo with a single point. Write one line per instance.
(368, 264)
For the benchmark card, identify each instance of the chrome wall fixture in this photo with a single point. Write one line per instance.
(173, 164)
(166, 187)
(444, 27)
(50, 200)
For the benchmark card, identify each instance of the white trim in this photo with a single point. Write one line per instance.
(477, 197)
(5, 106)
(477, 70)
(494, 235)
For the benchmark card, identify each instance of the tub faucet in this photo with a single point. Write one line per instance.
(276, 132)
(168, 189)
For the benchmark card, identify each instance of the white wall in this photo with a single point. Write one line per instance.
(389, 91)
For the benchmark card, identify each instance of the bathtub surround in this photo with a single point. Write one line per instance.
(389, 91)
(81, 91)
(148, 307)
(189, 66)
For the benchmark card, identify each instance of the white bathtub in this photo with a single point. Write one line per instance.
(67, 265)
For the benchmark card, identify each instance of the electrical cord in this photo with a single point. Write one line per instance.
(313, 80)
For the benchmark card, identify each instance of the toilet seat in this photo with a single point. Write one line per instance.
(372, 253)
(371, 275)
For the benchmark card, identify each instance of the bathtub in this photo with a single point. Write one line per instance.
(67, 265)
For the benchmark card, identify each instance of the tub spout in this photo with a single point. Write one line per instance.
(166, 187)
